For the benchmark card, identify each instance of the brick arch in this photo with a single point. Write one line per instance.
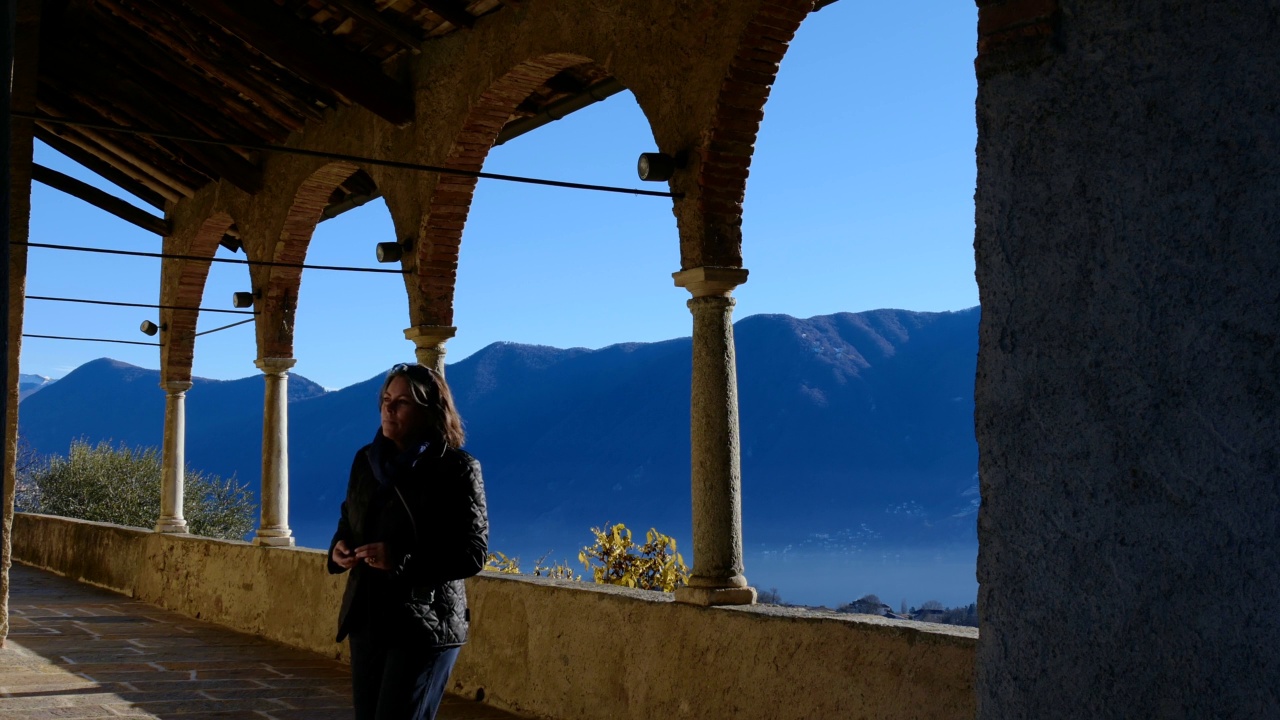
(712, 236)
(279, 294)
(187, 290)
(441, 234)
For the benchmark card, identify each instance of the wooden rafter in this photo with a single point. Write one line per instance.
(112, 174)
(170, 67)
(160, 160)
(100, 199)
(286, 40)
(130, 166)
(407, 38)
(451, 10)
(165, 29)
(134, 104)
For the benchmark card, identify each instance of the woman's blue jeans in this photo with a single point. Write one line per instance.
(395, 680)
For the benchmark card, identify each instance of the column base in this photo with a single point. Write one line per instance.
(170, 525)
(716, 596)
(274, 538)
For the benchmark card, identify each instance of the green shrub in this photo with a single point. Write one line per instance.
(121, 485)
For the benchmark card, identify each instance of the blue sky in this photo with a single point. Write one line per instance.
(860, 197)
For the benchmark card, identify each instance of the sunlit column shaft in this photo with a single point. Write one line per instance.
(274, 528)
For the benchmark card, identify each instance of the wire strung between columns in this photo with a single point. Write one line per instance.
(398, 164)
(83, 339)
(224, 327)
(140, 305)
(231, 261)
(135, 342)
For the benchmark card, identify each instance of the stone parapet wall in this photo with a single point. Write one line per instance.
(547, 648)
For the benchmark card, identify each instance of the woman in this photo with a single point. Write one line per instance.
(414, 524)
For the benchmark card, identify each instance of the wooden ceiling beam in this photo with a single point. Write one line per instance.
(102, 200)
(243, 117)
(160, 161)
(168, 33)
(140, 156)
(107, 155)
(407, 38)
(286, 39)
(140, 106)
(451, 10)
(112, 174)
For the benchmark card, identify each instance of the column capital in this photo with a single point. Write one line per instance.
(711, 303)
(428, 344)
(275, 366)
(425, 335)
(710, 281)
(175, 387)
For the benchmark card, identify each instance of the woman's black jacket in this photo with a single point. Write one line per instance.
(436, 528)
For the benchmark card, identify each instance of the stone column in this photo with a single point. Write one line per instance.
(717, 475)
(274, 529)
(174, 459)
(428, 341)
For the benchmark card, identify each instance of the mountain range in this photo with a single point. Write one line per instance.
(857, 432)
(28, 384)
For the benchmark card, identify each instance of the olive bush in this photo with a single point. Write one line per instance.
(121, 485)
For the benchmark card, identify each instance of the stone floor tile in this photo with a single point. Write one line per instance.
(83, 652)
(90, 711)
(218, 715)
(340, 686)
(329, 714)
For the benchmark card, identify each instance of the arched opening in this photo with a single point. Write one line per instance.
(292, 498)
(546, 272)
(61, 220)
(210, 286)
(587, 345)
(123, 376)
(349, 329)
(859, 463)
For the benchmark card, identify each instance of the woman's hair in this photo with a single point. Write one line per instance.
(430, 391)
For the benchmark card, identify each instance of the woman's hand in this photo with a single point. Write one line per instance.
(374, 555)
(342, 556)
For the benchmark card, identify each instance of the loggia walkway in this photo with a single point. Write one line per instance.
(76, 651)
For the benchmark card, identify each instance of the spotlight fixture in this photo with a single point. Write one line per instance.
(389, 252)
(149, 328)
(658, 167)
(231, 242)
(242, 299)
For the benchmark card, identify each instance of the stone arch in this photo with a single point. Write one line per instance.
(440, 238)
(711, 225)
(276, 288)
(187, 290)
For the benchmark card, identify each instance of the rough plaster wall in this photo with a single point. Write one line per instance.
(1128, 226)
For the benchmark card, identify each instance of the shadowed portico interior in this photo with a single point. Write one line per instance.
(1128, 372)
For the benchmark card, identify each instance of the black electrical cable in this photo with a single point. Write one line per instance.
(339, 156)
(132, 342)
(224, 327)
(141, 305)
(170, 256)
(105, 340)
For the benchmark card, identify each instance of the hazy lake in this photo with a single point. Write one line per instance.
(945, 574)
